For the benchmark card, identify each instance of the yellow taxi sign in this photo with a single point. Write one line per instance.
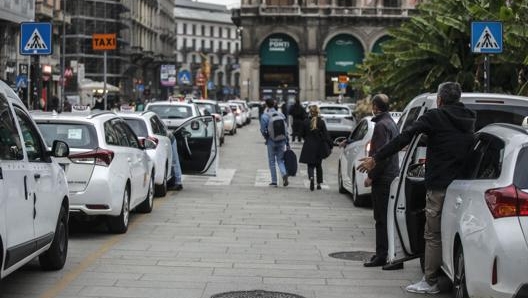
(104, 41)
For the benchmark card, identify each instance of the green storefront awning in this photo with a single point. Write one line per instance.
(279, 49)
(343, 53)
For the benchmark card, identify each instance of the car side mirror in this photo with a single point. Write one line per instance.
(60, 149)
(525, 122)
(339, 140)
(145, 143)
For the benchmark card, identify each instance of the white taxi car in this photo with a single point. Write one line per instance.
(109, 171)
(349, 179)
(338, 118)
(34, 201)
(148, 125)
(484, 243)
(174, 113)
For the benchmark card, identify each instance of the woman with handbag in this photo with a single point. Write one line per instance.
(316, 146)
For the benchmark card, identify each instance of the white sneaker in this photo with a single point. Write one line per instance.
(423, 287)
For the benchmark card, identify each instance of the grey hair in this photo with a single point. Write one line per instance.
(449, 92)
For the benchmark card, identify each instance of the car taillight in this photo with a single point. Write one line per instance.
(507, 201)
(100, 157)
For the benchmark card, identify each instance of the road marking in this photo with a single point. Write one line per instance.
(262, 178)
(67, 279)
(223, 177)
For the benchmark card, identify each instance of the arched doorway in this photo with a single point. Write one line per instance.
(377, 45)
(343, 53)
(279, 68)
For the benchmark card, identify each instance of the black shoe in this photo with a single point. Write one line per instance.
(285, 180)
(175, 187)
(311, 184)
(375, 261)
(318, 186)
(392, 266)
(273, 184)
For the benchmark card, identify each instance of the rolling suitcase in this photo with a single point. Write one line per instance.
(290, 161)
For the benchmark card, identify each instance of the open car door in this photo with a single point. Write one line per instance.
(406, 214)
(197, 147)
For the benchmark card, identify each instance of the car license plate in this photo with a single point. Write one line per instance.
(333, 120)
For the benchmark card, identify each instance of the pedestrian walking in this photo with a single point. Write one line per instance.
(273, 128)
(380, 178)
(298, 114)
(449, 129)
(315, 147)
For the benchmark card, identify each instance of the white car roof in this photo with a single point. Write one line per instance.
(92, 116)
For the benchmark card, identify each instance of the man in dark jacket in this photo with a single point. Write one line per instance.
(449, 130)
(381, 176)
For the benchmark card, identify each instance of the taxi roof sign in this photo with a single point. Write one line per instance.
(104, 41)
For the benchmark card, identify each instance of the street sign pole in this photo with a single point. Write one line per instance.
(36, 103)
(29, 85)
(104, 80)
(486, 73)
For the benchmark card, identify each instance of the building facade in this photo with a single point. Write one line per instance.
(34, 78)
(207, 40)
(309, 49)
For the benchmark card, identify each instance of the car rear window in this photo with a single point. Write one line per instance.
(171, 111)
(334, 110)
(76, 135)
(500, 113)
(520, 176)
(212, 108)
(138, 126)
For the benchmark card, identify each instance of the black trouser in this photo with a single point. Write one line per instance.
(380, 199)
(319, 168)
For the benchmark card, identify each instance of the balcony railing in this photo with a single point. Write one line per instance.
(321, 10)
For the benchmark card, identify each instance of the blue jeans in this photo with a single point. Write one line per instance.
(176, 168)
(276, 154)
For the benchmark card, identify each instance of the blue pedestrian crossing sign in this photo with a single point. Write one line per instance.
(486, 37)
(35, 38)
(184, 77)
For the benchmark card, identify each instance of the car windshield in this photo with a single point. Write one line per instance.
(487, 114)
(334, 110)
(211, 108)
(138, 126)
(171, 111)
(76, 135)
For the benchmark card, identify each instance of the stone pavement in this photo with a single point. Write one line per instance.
(227, 233)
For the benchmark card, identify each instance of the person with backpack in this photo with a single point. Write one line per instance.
(273, 129)
(315, 146)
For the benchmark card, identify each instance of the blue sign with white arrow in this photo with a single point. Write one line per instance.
(35, 38)
(486, 37)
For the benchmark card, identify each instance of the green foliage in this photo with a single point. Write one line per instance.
(433, 47)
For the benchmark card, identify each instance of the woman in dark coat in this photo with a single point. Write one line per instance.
(315, 138)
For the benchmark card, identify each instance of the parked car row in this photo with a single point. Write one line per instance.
(484, 218)
(87, 165)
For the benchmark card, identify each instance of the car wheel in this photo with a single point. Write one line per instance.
(119, 224)
(222, 139)
(459, 281)
(148, 203)
(356, 199)
(55, 257)
(161, 190)
(340, 180)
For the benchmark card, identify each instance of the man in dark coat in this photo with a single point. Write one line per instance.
(298, 114)
(449, 130)
(381, 176)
